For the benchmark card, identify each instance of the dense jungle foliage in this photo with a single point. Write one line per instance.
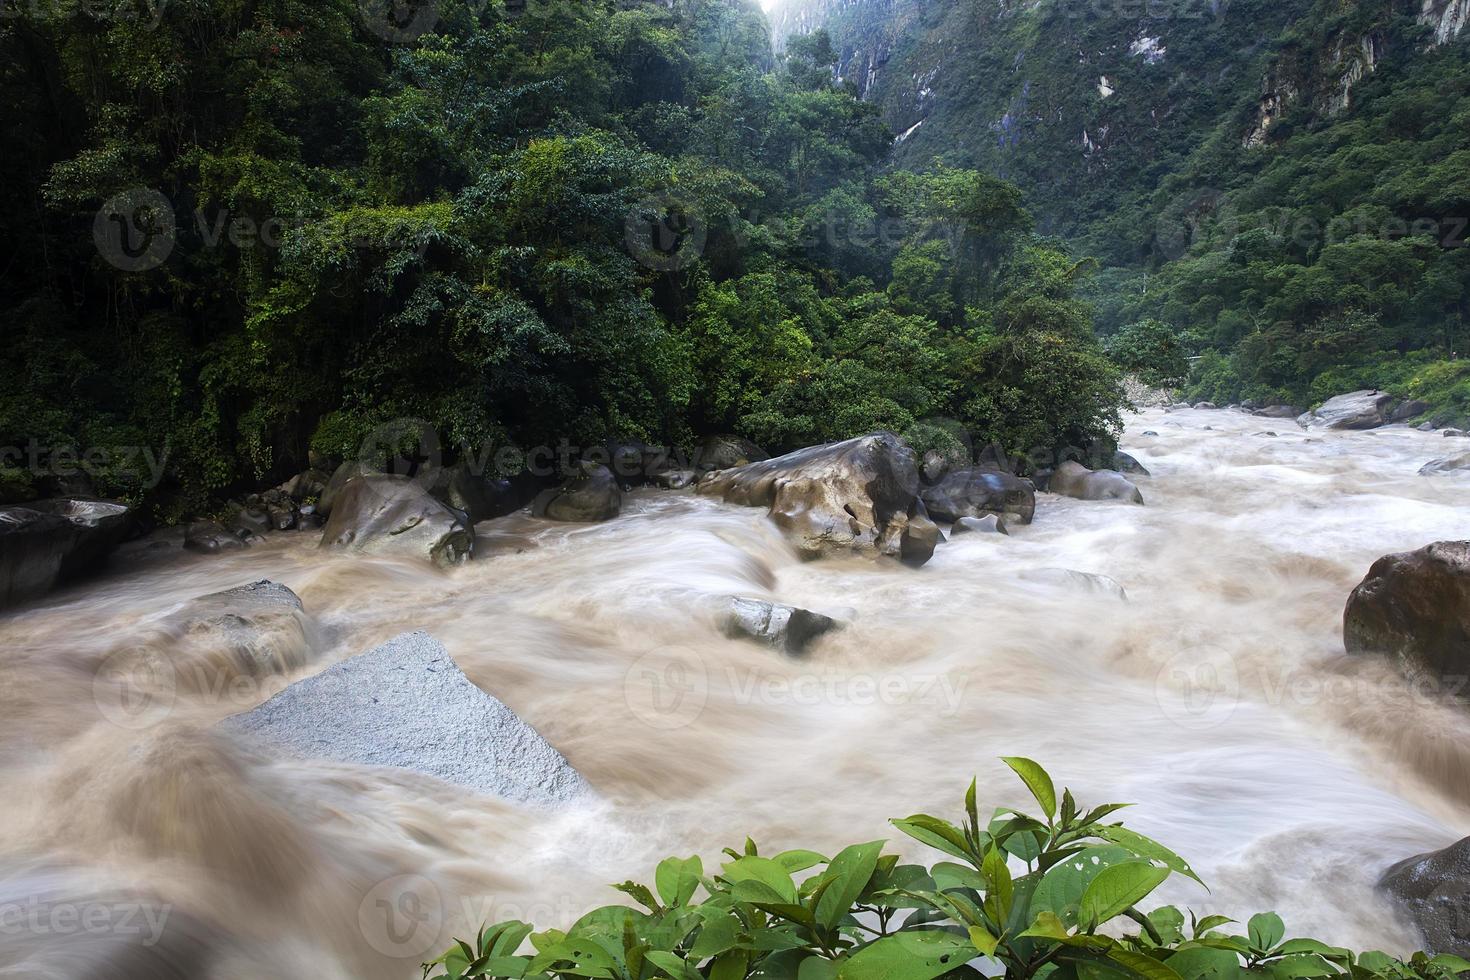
(1324, 252)
(1054, 896)
(244, 230)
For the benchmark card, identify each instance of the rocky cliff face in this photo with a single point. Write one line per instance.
(1083, 102)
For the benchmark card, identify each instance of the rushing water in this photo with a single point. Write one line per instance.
(1217, 698)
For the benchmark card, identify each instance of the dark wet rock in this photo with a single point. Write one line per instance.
(306, 485)
(1449, 464)
(675, 479)
(1456, 433)
(977, 492)
(250, 520)
(1150, 432)
(1433, 890)
(590, 497)
(1072, 479)
(1407, 410)
(380, 514)
(1124, 463)
(210, 538)
(343, 475)
(989, 524)
(254, 630)
(47, 541)
(858, 496)
(1210, 406)
(723, 452)
(1366, 409)
(786, 628)
(1415, 607)
(1279, 412)
(1084, 582)
(407, 705)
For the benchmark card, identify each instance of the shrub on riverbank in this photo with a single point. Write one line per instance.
(1071, 914)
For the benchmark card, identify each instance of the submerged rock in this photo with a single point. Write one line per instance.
(251, 630)
(1077, 581)
(379, 514)
(1072, 479)
(989, 524)
(857, 496)
(407, 705)
(46, 541)
(1415, 607)
(787, 628)
(1434, 891)
(977, 492)
(1449, 464)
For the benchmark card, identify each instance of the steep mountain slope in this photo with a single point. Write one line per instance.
(1282, 187)
(1090, 104)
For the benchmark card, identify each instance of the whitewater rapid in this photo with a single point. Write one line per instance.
(1217, 698)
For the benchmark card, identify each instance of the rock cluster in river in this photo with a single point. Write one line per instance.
(859, 496)
(383, 514)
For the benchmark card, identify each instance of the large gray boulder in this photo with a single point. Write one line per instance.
(1072, 479)
(1415, 607)
(1367, 409)
(1278, 412)
(381, 514)
(1433, 890)
(407, 705)
(211, 538)
(47, 541)
(1124, 463)
(1447, 465)
(858, 496)
(787, 628)
(977, 492)
(591, 496)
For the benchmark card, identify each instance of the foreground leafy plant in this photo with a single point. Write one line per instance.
(1027, 897)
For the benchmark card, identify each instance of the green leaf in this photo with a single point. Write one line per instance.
(718, 935)
(677, 879)
(1145, 847)
(640, 894)
(1201, 963)
(765, 871)
(674, 965)
(1037, 781)
(1117, 888)
(998, 899)
(1061, 888)
(794, 861)
(1141, 965)
(1266, 930)
(939, 834)
(1046, 926)
(1210, 922)
(1301, 965)
(816, 968)
(848, 873)
(919, 955)
(729, 966)
(983, 940)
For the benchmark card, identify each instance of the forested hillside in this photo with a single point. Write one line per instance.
(1280, 187)
(241, 231)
